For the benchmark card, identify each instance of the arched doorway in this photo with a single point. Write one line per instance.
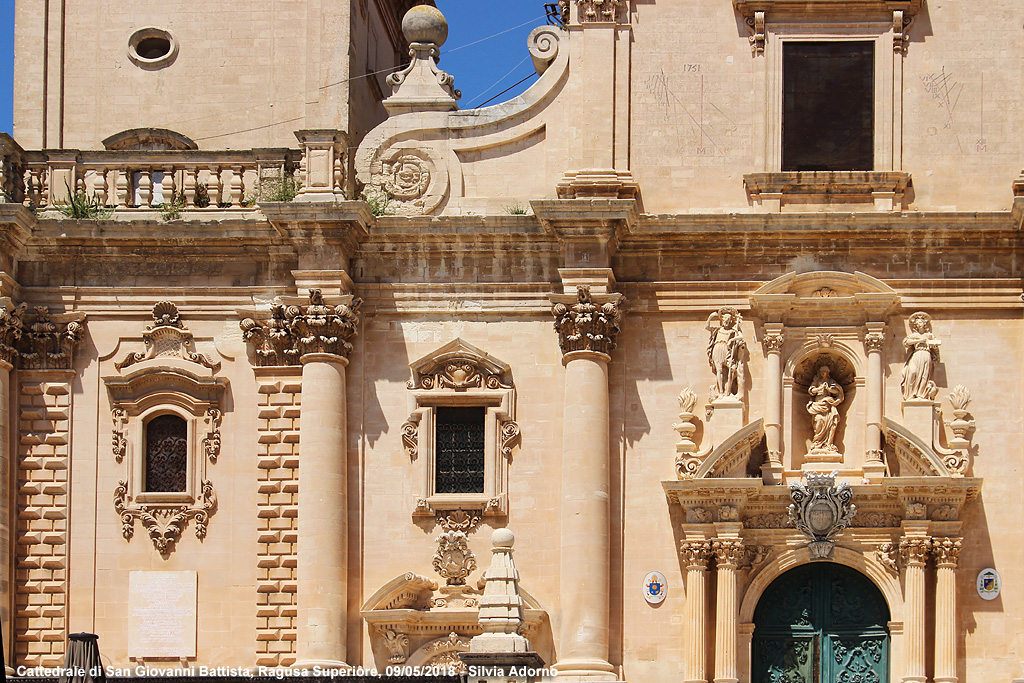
(821, 623)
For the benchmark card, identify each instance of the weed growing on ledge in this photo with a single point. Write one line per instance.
(82, 206)
(515, 209)
(171, 211)
(378, 200)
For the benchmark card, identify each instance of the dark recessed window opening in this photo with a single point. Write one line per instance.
(153, 48)
(166, 454)
(459, 450)
(828, 115)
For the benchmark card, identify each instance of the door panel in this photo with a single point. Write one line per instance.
(821, 623)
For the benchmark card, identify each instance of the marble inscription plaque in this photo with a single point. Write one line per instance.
(162, 614)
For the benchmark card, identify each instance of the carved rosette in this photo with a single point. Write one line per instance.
(946, 551)
(820, 510)
(167, 336)
(164, 524)
(914, 550)
(454, 560)
(45, 343)
(587, 325)
(729, 552)
(695, 554)
(292, 331)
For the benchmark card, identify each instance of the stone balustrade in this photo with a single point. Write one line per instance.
(143, 178)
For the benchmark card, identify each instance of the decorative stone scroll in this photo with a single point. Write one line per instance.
(397, 644)
(587, 325)
(164, 524)
(458, 520)
(294, 331)
(460, 366)
(820, 510)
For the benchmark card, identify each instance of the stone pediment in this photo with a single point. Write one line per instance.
(459, 365)
(824, 298)
(167, 342)
(732, 457)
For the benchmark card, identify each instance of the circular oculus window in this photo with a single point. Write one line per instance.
(152, 48)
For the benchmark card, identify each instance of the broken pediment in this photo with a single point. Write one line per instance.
(167, 339)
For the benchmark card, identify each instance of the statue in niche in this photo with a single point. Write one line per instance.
(725, 351)
(923, 350)
(826, 397)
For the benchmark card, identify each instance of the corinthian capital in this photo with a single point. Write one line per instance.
(915, 549)
(291, 332)
(47, 341)
(946, 551)
(729, 552)
(11, 328)
(588, 325)
(695, 554)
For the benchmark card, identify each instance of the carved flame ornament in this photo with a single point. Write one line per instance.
(820, 510)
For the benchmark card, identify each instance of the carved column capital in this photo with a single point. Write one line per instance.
(695, 554)
(291, 332)
(11, 329)
(915, 549)
(773, 342)
(946, 551)
(729, 552)
(47, 341)
(588, 324)
(874, 341)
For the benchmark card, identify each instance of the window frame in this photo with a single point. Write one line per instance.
(495, 393)
(137, 481)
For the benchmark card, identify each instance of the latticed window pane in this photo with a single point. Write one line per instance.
(166, 454)
(459, 449)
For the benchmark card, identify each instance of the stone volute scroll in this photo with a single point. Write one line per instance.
(820, 510)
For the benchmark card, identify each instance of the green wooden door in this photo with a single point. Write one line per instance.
(821, 623)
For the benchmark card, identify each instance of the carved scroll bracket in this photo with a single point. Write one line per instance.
(164, 524)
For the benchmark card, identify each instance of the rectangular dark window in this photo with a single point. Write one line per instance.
(459, 450)
(166, 454)
(828, 114)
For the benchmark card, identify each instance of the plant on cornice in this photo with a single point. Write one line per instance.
(378, 200)
(515, 209)
(171, 211)
(79, 205)
(283, 189)
(202, 199)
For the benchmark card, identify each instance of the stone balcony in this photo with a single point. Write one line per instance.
(188, 179)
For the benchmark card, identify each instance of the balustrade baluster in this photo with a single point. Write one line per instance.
(236, 186)
(213, 186)
(189, 186)
(144, 188)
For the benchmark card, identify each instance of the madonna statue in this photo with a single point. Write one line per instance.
(923, 352)
(826, 396)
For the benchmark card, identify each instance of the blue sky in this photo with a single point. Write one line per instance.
(481, 69)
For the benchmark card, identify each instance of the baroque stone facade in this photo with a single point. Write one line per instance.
(306, 373)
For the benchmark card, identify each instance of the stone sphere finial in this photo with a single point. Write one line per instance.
(425, 24)
(502, 538)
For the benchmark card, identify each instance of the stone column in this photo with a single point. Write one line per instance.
(6, 566)
(729, 553)
(587, 331)
(874, 340)
(771, 471)
(946, 552)
(695, 557)
(318, 335)
(915, 554)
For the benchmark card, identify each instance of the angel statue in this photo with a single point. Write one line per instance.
(725, 351)
(923, 352)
